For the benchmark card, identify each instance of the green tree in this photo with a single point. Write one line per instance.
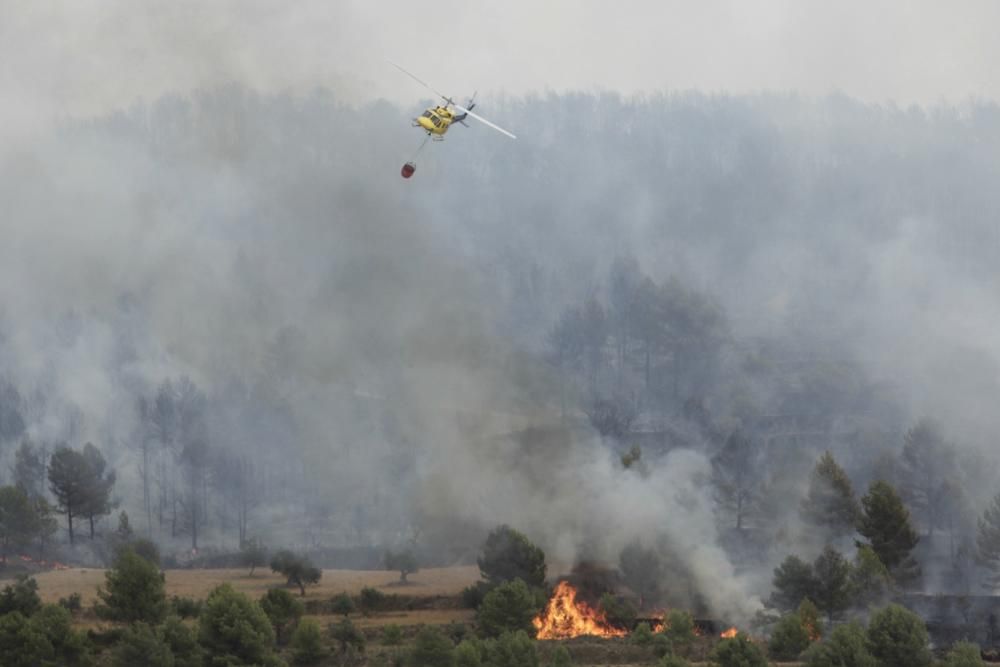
(307, 643)
(29, 470)
(69, 479)
(834, 592)
(679, 628)
(640, 567)
(347, 636)
(235, 631)
(964, 654)
(830, 503)
(142, 645)
(927, 462)
(789, 638)
(885, 522)
(404, 562)
(869, 578)
(847, 646)
(988, 543)
(18, 521)
(431, 649)
(134, 591)
(469, 653)
(298, 570)
(46, 639)
(898, 638)
(99, 482)
(509, 607)
(738, 651)
(561, 657)
(513, 649)
(21, 596)
(508, 555)
(794, 580)
(183, 643)
(283, 610)
(342, 604)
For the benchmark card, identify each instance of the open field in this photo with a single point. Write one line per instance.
(197, 583)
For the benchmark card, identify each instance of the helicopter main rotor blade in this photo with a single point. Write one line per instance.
(483, 121)
(422, 83)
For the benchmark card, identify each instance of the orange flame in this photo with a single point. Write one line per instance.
(565, 618)
(729, 634)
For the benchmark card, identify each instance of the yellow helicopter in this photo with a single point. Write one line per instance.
(435, 121)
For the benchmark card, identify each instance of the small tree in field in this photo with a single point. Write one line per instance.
(307, 643)
(298, 570)
(283, 610)
(134, 591)
(964, 654)
(234, 630)
(402, 561)
(847, 646)
(431, 649)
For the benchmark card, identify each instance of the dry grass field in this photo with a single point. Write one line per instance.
(197, 583)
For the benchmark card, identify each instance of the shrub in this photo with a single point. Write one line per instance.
(282, 610)
(342, 604)
(20, 596)
(509, 555)
(73, 603)
(469, 654)
(185, 607)
(789, 639)
(642, 635)
(561, 657)
(738, 652)
(898, 638)
(431, 649)
(679, 627)
(964, 654)
(617, 611)
(142, 645)
(674, 661)
(298, 570)
(135, 591)
(392, 635)
(349, 637)
(46, 638)
(234, 630)
(307, 644)
(662, 646)
(372, 599)
(513, 649)
(508, 607)
(846, 646)
(182, 642)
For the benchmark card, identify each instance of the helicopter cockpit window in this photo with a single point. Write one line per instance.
(427, 114)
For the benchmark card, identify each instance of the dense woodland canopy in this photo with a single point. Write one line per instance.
(267, 333)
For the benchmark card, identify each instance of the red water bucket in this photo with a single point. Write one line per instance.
(408, 169)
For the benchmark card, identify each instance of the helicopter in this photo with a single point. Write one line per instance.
(436, 120)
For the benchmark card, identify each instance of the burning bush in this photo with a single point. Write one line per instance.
(565, 617)
(738, 651)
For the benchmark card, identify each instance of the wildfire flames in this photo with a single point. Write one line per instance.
(44, 563)
(729, 634)
(564, 617)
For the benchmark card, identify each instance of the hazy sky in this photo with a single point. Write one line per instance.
(63, 58)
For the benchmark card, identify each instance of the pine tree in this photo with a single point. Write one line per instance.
(834, 591)
(988, 543)
(830, 504)
(885, 522)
